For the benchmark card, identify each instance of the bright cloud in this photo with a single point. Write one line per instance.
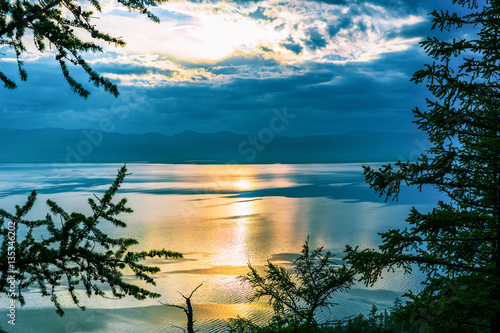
(290, 32)
(194, 38)
(154, 70)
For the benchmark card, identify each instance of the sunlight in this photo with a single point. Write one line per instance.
(207, 33)
(243, 209)
(239, 245)
(243, 185)
(236, 240)
(218, 37)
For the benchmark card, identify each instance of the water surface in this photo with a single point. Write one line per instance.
(221, 217)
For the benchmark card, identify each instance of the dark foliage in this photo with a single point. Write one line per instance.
(297, 297)
(71, 251)
(457, 244)
(59, 25)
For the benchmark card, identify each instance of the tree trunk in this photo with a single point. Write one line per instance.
(188, 310)
(189, 314)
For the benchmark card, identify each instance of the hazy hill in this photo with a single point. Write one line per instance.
(58, 145)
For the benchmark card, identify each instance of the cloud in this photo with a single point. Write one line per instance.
(295, 30)
(194, 35)
(265, 49)
(327, 98)
(259, 14)
(148, 70)
(291, 45)
(210, 66)
(314, 39)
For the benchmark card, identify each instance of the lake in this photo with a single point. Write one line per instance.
(221, 217)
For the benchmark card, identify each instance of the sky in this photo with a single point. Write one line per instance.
(327, 66)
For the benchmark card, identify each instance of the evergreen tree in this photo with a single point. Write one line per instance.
(72, 251)
(457, 244)
(296, 298)
(59, 24)
(188, 310)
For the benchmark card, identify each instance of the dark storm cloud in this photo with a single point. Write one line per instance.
(344, 22)
(291, 45)
(401, 6)
(314, 39)
(265, 49)
(258, 14)
(407, 4)
(326, 98)
(333, 2)
(280, 27)
(253, 61)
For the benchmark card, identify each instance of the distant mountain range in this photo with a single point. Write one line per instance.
(52, 145)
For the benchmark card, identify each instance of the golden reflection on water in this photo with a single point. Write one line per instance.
(213, 178)
(243, 185)
(223, 216)
(234, 230)
(242, 212)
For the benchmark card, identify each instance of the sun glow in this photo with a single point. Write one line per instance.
(243, 185)
(219, 37)
(208, 32)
